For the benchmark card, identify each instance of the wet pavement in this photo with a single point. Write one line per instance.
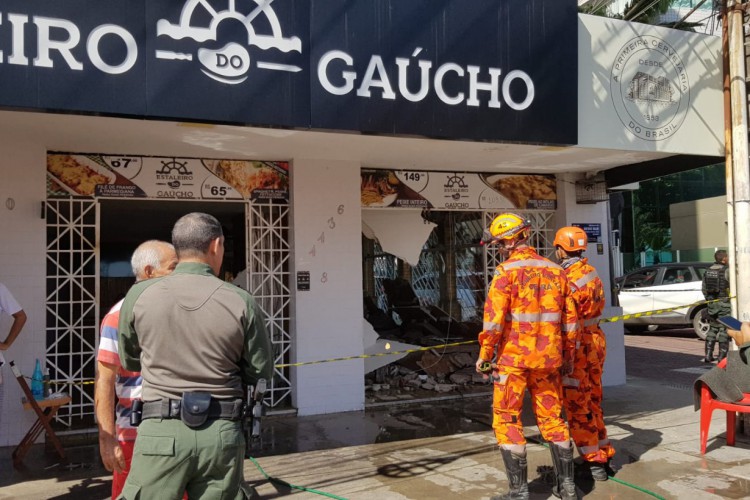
(444, 448)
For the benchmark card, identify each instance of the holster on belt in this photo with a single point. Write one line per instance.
(194, 408)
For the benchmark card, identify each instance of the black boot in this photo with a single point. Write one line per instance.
(562, 459)
(723, 350)
(599, 470)
(516, 468)
(709, 351)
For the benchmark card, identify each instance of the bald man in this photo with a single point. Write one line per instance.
(116, 438)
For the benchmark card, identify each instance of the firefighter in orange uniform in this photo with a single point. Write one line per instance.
(530, 331)
(583, 388)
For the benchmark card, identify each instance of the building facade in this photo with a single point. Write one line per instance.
(303, 125)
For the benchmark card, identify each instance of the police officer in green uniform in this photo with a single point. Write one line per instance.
(196, 339)
(716, 286)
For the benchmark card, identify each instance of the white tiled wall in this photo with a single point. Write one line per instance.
(328, 317)
(22, 269)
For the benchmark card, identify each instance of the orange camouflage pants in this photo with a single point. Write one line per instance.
(545, 387)
(583, 399)
(599, 341)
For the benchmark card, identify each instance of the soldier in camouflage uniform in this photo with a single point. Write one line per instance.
(716, 286)
(530, 331)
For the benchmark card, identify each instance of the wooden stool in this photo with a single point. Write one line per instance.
(44, 417)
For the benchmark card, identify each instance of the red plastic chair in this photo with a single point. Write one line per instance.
(709, 404)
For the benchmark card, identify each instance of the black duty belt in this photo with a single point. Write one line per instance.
(228, 409)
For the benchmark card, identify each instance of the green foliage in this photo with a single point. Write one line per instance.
(641, 11)
(646, 11)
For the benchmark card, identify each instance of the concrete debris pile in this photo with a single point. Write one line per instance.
(440, 370)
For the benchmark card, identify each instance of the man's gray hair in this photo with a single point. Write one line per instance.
(193, 233)
(148, 253)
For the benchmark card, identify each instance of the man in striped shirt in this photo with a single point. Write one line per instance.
(117, 437)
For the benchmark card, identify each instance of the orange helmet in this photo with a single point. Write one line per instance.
(505, 227)
(571, 239)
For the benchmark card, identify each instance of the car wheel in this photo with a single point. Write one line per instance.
(700, 326)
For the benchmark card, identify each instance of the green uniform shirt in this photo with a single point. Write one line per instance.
(191, 331)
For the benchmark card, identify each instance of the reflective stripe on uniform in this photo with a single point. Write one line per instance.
(529, 263)
(570, 327)
(583, 450)
(489, 325)
(571, 382)
(591, 322)
(537, 317)
(580, 282)
(500, 378)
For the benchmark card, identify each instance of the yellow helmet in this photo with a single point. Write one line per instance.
(571, 239)
(505, 227)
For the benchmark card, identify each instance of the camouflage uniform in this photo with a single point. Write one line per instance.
(583, 387)
(530, 319)
(716, 286)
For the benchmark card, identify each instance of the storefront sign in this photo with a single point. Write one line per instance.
(649, 88)
(474, 69)
(459, 69)
(457, 191)
(105, 176)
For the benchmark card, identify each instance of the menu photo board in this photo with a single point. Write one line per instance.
(458, 191)
(119, 176)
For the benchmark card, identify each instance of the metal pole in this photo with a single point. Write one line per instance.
(728, 151)
(740, 170)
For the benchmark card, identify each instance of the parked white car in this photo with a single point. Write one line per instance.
(664, 286)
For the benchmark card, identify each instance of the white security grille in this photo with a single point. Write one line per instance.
(72, 303)
(268, 280)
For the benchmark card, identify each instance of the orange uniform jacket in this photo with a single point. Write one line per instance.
(588, 293)
(529, 314)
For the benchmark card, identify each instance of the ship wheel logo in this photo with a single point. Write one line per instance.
(228, 62)
(455, 187)
(455, 181)
(172, 167)
(174, 174)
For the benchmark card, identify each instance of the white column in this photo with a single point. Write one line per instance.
(568, 213)
(22, 269)
(327, 319)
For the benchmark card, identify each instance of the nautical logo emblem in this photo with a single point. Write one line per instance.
(650, 88)
(223, 57)
(174, 174)
(455, 187)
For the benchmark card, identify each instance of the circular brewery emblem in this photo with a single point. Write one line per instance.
(650, 88)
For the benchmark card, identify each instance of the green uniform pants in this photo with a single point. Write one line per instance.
(718, 332)
(171, 458)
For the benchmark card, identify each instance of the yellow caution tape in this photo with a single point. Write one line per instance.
(361, 356)
(614, 319)
(72, 382)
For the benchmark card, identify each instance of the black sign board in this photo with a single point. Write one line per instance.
(592, 230)
(303, 281)
(457, 69)
(461, 69)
